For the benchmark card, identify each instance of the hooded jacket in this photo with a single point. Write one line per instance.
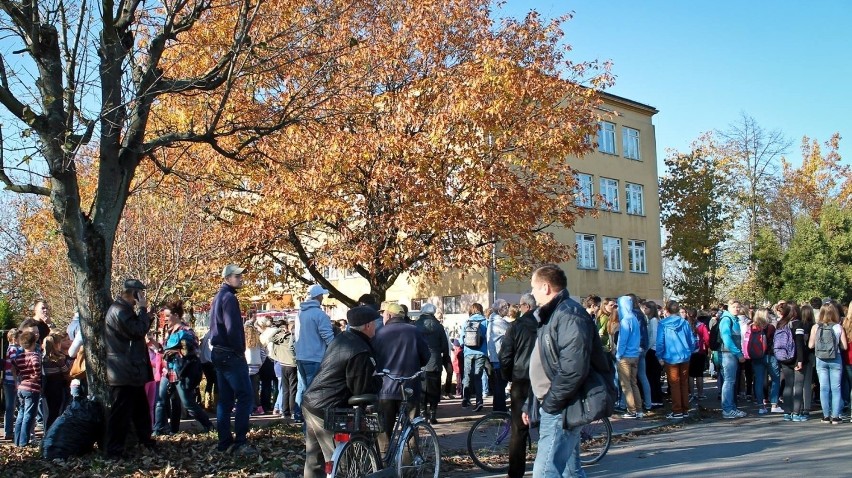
(496, 329)
(483, 332)
(313, 332)
(629, 335)
(729, 334)
(675, 341)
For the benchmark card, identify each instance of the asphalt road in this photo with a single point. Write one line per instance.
(752, 447)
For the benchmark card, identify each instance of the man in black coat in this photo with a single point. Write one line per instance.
(128, 368)
(439, 359)
(517, 346)
(347, 369)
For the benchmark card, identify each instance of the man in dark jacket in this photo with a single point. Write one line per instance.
(439, 359)
(402, 350)
(128, 368)
(227, 337)
(347, 369)
(566, 348)
(517, 346)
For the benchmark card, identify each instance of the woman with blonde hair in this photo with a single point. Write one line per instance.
(255, 356)
(828, 338)
(756, 348)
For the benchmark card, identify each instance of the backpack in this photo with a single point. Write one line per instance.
(715, 343)
(472, 334)
(783, 344)
(755, 344)
(826, 343)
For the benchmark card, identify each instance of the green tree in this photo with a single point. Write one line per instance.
(694, 211)
(7, 318)
(769, 258)
(809, 268)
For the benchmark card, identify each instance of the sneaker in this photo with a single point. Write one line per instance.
(776, 409)
(762, 411)
(245, 450)
(732, 415)
(836, 421)
(825, 420)
(640, 415)
(477, 408)
(675, 416)
(788, 417)
(800, 418)
(741, 413)
(465, 404)
(630, 415)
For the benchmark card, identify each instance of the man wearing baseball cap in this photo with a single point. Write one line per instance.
(228, 341)
(313, 334)
(128, 368)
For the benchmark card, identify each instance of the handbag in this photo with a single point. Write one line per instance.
(595, 400)
(78, 368)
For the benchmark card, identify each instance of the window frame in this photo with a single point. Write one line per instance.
(455, 301)
(606, 246)
(606, 203)
(608, 128)
(629, 191)
(590, 200)
(584, 241)
(628, 140)
(632, 249)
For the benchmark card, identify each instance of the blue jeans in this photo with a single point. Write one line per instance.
(307, 371)
(759, 368)
(186, 399)
(730, 366)
(642, 376)
(26, 416)
(498, 389)
(10, 392)
(279, 398)
(558, 449)
(829, 372)
(473, 365)
(232, 378)
(774, 370)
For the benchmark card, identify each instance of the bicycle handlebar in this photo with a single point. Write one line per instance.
(386, 373)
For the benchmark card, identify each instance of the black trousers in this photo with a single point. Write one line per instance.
(431, 394)
(653, 370)
(129, 403)
(290, 376)
(520, 432)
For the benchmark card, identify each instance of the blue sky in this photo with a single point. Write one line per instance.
(786, 63)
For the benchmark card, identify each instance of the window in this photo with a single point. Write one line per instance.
(351, 274)
(606, 137)
(630, 142)
(584, 191)
(635, 199)
(416, 304)
(637, 256)
(586, 252)
(452, 304)
(609, 194)
(330, 273)
(612, 253)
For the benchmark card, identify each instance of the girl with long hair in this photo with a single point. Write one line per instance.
(792, 369)
(55, 368)
(698, 359)
(829, 368)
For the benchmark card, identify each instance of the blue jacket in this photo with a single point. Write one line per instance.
(729, 334)
(483, 332)
(313, 332)
(226, 321)
(401, 348)
(675, 341)
(630, 334)
(496, 329)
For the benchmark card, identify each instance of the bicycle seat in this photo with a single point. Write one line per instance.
(366, 399)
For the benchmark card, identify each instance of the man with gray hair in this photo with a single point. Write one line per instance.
(439, 358)
(497, 325)
(515, 351)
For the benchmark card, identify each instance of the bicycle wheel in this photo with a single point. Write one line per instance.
(357, 458)
(419, 454)
(488, 441)
(595, 439)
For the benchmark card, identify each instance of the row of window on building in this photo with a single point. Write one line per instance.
(629, 140)
(610, 195)
(587, 253)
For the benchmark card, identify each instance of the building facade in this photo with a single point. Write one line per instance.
(618, 241)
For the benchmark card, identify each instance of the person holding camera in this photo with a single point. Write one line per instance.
(128, 368)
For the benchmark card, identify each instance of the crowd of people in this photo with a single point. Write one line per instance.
(541, 350)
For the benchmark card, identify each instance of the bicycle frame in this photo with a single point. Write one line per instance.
(402, 424)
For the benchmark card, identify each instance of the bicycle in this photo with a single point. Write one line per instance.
(488, 441)
(412, 448)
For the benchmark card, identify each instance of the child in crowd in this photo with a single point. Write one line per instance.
(9, 387)
(255, 356)
(27, 370)
(56, 379)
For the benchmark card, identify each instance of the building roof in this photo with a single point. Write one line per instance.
(629, 103)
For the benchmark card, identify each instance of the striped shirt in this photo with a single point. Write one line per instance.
(28, 365)
(11, 353)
